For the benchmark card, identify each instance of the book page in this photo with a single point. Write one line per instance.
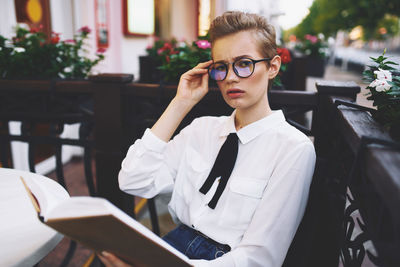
(80, 207)
(47, 192)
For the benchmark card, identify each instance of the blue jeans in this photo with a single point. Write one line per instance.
(194, 244)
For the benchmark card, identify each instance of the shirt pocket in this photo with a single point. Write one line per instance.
(195, 161)
(243, 197)
(192, 173)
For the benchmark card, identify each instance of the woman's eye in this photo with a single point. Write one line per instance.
(220, 68)
(244, 63)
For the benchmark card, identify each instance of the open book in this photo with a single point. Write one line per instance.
(98, 224)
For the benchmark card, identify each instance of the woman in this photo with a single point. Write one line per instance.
(251, 219)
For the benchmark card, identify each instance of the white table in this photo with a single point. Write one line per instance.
(24, 240)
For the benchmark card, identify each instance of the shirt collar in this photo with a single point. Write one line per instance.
(251, 131)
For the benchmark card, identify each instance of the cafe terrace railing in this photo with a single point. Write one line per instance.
(366, 175)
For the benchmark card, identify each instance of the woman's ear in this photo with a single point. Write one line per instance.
(274, 67)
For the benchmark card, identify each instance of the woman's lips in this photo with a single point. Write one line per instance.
(234, 93)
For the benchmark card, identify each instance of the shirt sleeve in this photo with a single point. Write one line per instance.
(150, 165)
(275, 222)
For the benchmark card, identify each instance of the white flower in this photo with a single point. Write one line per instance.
(380, 85)
(22, 26)
(19, 49)
(383, 75)
(67, 69)
(8, 44)
(182, 44)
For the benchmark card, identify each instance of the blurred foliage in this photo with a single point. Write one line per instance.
(329, 16)
(313, 46)
(31, 55)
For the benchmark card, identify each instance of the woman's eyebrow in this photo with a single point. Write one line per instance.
(234, 59)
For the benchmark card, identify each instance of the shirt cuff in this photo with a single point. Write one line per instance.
(152, 142)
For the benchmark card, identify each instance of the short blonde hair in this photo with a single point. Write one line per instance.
(236, 21)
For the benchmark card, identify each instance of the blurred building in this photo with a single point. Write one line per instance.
(182, 19)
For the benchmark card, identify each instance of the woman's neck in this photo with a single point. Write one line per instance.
(246, 117)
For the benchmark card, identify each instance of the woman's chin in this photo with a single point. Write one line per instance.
(233, 103)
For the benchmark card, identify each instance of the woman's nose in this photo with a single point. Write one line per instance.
(231, 75)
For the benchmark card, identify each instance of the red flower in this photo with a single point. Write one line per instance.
(101, 50)
(166, 47)
(36, 29)
(313, 39)
(70, 41)
(85, 29)
(55, 39)
(284, 54)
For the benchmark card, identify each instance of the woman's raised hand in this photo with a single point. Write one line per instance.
(193, 85)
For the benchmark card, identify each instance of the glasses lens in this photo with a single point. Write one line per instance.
(243, 67)
(217, 71)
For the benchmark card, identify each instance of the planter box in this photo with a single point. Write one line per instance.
(148, 70)
(294, 78)
(315, 66)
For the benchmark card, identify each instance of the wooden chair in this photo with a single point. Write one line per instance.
(49, 111)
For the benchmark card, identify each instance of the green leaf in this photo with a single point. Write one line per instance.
(394, 93)
(391, 63)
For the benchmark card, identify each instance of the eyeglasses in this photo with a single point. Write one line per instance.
(243, 68)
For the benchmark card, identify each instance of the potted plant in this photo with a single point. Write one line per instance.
(149, 64)
(30, 54)
(315, 49)
(177, 60)
(384, 91)
(170, 59)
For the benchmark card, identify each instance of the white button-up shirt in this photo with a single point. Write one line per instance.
(266, 195)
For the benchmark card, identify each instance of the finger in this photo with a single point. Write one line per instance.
(205, 79)
(204, 64)
(195, 72)
(105, 260)
(114, 260)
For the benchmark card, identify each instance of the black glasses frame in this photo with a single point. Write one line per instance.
(234, 69)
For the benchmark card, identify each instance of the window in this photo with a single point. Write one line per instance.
(138, 17)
